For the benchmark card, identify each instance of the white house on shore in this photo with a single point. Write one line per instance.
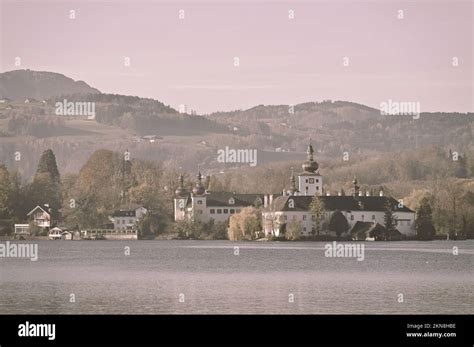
(41, 216)
(126, 218)
(364, 213)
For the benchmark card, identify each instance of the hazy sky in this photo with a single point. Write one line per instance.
(282, 61)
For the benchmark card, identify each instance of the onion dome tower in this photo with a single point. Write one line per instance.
(355, 188)
(199, 187)
(310, 181)
(310, 165)
(180, 191)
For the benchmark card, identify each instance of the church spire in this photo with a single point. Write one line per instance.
(310, 150)
(180, 191)
(310, 165)
(293, 188)
(355, 188)
(199, 187)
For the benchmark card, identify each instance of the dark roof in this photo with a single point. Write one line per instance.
(342, 203)
(122, 213)
(240, 200)
(127, 210)
(360, 227)
(364, 230)
(129, 207)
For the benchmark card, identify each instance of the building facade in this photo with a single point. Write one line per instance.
(294, 205)
(128, 217)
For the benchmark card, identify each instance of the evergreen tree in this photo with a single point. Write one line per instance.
(338, 223)
(461, 170)
(389, 219)
(5, 193)
(47, 164)
(46, 188)
(424, 220)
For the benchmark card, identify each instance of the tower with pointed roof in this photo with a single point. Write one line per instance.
(180, 191)
(180, 200)
(293, 190)
(198, 199)
(310, 181)
(355, 187)
(199, 187)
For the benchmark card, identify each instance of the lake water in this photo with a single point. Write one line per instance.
(261, 279)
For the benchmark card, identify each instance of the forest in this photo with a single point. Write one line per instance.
(429, 180)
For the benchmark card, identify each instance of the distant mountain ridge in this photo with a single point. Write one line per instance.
(21, 84)
(280, 133)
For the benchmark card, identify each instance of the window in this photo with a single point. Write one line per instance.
(304, 229)
(219, 211)
(304, 217)
(199, 202)
(352, 217)
(130, 221)
(311, 180)
(317, 180)
(232, 211)
(212, 211)
(226, 211)
(317, 187)
(373, 217)
(285, 217)
(306, 180)
(231, 201)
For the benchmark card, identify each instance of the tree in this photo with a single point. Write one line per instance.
(47, 164)
(46, 186)
(317, 210)
(389, 219)
(338, 223)
(148, 225)
(184, 228)
(244, 225)
(424, 220)
(5, 193)
(293, 230)
(461, 170)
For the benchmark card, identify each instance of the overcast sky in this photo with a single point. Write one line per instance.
(282, 61)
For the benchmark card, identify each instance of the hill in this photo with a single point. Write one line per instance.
(22, 84)
(152, 130)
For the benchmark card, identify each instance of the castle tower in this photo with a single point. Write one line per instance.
(180, 200)
(198, 199)
(293, 190)
(310, 181)
(355, 187)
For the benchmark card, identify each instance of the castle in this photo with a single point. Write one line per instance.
(364, 213)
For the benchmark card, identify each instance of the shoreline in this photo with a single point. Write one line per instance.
(44, 238)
